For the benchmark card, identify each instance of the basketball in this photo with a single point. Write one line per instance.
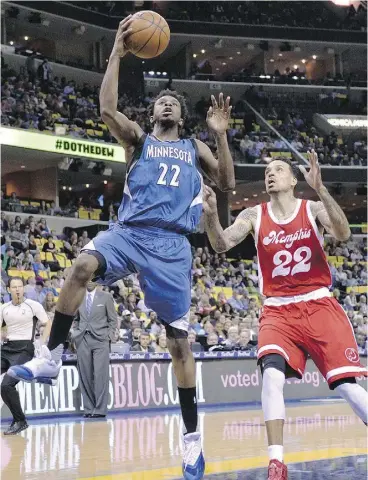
(150, 36)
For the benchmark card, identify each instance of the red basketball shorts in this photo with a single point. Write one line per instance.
(319, 328)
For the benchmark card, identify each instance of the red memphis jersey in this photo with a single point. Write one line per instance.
(291, 259)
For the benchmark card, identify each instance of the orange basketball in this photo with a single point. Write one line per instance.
(150, 36)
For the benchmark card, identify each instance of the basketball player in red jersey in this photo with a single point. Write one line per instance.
(299, 315)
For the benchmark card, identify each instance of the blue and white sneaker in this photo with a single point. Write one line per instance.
(41, 369)
(193, 460)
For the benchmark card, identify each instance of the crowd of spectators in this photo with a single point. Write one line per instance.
(226, 301)
(290, 14)
(48, 105)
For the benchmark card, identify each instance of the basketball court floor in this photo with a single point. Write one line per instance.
(323, 440)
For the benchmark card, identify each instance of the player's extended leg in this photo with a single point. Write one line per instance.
(273, 368)
(354, 394)
(185, 373)
(46, 366)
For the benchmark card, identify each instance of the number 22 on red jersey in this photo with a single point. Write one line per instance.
(290, 252)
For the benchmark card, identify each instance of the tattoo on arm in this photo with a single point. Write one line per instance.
(330, 215)
(241, 228)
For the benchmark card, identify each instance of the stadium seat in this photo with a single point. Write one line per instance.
(83, 214)
(14, 273)
(26, 274)
(35, 204)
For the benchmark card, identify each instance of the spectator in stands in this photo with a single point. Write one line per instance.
(4, 223)
(212, 340)
(38, 266)
(350, 302)
(144, 344)
(161, 344)
(40, 293)
(49, 305)
(49, 246)
(30, 289)
(234, 302)
(244, 339)
(232, 336)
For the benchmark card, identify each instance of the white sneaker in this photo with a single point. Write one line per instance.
(41, 369)
(193, 460)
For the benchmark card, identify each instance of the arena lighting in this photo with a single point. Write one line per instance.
(237, 203)
(231, 58)
(87, 185)
(295, 66)
(194, 55)
(272, 60)
(234, 192)
(245, 199)
(164, 74)
(64, 188)
(314, 57)
(158, 73)
(223, 63)
(280, 54)
(11, 42)
(255, 194)
(203, 51)
(22, 166)
(238, 53)
(151, 73)
(303, 60)
(105, 182)
(26, 38)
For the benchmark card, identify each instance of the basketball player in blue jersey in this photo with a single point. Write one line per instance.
(162, 202)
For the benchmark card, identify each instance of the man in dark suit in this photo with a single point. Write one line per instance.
(144, 344)
(95, 327)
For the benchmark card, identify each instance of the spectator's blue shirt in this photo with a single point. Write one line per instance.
(235, 304)
(38, 267)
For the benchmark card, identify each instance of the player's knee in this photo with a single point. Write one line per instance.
(6, 389)
(179, 348)
(274, 361)
(84, 268)
(342, 381)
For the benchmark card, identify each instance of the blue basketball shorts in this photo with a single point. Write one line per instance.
(162, 260)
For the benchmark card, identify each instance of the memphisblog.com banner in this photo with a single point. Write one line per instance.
(151, 385)
(61, 145)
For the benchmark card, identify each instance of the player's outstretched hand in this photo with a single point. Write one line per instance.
(209, 201)
(124, 30)
(313, 177)
(218, 114)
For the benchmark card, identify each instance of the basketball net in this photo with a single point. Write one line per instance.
(347, 3)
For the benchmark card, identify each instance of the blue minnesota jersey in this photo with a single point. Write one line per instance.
(163, 187)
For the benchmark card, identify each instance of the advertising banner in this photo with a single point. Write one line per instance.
(62, 145)
(151, 385)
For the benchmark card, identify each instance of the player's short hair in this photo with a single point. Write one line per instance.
(11, 279)
(174, 94)
(293, 166)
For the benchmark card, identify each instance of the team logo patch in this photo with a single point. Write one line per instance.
(352, 355)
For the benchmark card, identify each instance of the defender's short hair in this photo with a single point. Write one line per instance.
(174, 94)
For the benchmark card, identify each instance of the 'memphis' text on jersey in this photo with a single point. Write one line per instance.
(288, 240)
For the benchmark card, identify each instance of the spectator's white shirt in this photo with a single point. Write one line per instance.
(356, 256)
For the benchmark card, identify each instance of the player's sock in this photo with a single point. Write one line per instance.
(189, 411)
(276, 452)
(59, 333)
(356, 397)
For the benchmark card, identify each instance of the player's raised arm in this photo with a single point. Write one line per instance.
(124, 130)
(220, 171)
(327, 212)
(223, 240)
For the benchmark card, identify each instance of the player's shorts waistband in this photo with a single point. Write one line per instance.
(158, 232)
(305, 297)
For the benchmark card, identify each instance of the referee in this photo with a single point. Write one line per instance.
(20, 317)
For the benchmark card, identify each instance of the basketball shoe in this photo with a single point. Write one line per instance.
(277, 470)
(41, 369)
(193, 460)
